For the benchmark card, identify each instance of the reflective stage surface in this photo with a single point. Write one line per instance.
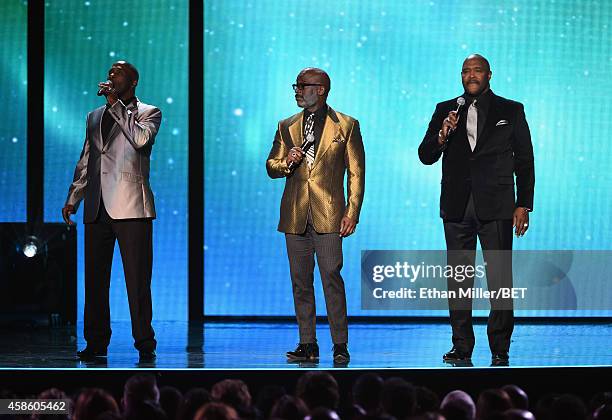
(258, 345)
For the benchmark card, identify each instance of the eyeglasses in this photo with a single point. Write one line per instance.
(301, 86)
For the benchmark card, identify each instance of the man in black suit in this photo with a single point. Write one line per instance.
(483, 146)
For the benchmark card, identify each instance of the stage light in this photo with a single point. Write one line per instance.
(32, 246)
(38, 274)
(30, 249)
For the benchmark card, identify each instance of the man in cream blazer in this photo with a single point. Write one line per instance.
(112, 176)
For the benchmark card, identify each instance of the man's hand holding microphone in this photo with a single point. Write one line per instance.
(107, 89)
(448, 126)
(294, 157)
(450, 122)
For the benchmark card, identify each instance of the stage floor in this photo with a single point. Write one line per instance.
(259, 345)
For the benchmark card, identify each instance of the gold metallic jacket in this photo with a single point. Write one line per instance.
(340, 149)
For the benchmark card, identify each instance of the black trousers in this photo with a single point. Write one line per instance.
(494, 236)
(135, 237)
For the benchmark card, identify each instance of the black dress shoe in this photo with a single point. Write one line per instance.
(146, 355)
(456, 355)
(460, 363)
(90, 353)
(305, 352)
(500, 359)
(341, 354)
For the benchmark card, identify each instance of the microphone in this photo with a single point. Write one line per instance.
(309, 141)
(460, 103)
(102, 89)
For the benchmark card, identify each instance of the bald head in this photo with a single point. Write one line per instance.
(480, 58)
(311, 87)
(129, 68)
(124, 78)
(458, 404)
(319, 76)
(518, 396)
(517, 414)
(475, 74)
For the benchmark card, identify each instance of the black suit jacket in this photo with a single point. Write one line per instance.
(503, 150)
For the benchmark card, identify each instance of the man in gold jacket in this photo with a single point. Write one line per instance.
(312, 150)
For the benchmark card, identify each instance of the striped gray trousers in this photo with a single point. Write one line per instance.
(301, 250)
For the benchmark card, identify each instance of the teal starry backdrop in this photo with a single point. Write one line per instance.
(390, 62)
(13, 106)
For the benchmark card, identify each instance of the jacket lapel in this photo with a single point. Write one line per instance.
(111, 135)
(132, 107)
(296, 133)
(331, 131)
(96, 126)
(482, 126)
(489, 123)
(461, 134)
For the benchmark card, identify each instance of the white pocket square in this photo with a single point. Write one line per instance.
(502, 122)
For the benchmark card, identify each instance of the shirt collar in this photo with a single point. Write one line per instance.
(319, 114)
(132, 101)
(482, 100)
